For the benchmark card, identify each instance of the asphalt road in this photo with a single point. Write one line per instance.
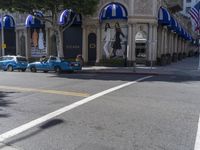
(156, 113)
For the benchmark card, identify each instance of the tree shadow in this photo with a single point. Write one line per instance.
(4, 103)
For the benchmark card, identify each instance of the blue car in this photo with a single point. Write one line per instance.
(10, 63)
(53, 63)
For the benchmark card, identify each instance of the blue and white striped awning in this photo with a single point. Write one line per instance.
(164, 17)
(66, 17)
(173, 24)
(113, 11)
(33, 22)
(8, 22)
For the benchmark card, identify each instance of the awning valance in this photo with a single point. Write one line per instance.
(8, 22)
(66, 17)
(164, 17)
(173, 24)
(113, 11)
(33, 22)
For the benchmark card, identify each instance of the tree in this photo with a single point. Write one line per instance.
(51, 9)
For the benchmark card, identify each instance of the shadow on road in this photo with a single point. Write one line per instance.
(4, 103)
(126, 77)
(45, 126)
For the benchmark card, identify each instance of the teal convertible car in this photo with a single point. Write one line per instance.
(10, 63)
(56, 64)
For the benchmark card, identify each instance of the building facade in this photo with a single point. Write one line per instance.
(127, 31)
(187, 5)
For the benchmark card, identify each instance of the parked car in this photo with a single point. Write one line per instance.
(53, 63)
(10, 63)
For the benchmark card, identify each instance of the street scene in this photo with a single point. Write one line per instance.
(99, 75)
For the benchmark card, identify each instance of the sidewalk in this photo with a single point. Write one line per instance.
(185, 67)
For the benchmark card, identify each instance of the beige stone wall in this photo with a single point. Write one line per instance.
(143, 7)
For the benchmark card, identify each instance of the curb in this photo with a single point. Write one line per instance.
(119, 73)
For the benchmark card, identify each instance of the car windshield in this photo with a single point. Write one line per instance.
(21, 59)
(7, 58)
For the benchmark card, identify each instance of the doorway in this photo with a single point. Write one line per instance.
(92, 50)
(141, 47)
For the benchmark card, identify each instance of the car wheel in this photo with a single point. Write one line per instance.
(10, 68)
(57, 69)
(23, 70)
(33, 69)
(70, 71)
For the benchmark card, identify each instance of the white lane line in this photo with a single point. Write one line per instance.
(197, 142)
(60, 111)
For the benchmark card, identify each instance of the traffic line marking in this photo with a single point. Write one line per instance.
(45, 91)
(60, 111)
(197, 142)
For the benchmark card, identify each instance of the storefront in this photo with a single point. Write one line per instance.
(8, 35)
(128, 32)
(72, 36)
(122, 35)
(36, 36)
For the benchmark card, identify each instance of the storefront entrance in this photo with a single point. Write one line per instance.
(92, 49)
(141, 46)
(72, 41)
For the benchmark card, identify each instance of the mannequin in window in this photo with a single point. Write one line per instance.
(41, 40)
(107, 40)
(35, 38)
(117, 42)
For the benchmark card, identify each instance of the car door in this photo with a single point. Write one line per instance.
(52, 62)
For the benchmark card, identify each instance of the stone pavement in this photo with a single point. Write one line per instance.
(185, 67)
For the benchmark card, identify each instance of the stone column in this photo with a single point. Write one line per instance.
(133, 58)
(150, 40)
(166, 43)
(99, 49)
(84, 44)
(162, 41)
(155, 31)
(159, 42)
(47, 41)
(27, 42)
(173, 42)
(176, 43)
(129, 47)
(18, 51)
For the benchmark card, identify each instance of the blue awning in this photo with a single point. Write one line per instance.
(182, 32)
(173, 24)
(33, 22)
(8, 22)
(178, 30)
(164, 17)
(67, 15)
(113, 11)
